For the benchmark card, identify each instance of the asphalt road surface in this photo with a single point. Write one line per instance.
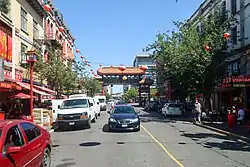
(161, 142)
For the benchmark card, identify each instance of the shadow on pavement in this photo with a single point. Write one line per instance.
(227, 143)
(69, 129)
(152, 116)
(90, 144)
(66, 164)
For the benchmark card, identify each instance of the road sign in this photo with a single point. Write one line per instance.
(1, 69)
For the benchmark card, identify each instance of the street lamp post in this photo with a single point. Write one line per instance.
(31, 59)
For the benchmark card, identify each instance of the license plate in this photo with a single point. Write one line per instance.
(72, 123)
(124, 125)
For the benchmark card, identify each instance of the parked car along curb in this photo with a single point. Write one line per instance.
(246, 139)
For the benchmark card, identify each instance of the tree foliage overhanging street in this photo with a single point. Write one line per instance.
(4, 6)
(182, 54)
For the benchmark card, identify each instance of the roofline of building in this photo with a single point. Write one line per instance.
(197, 10)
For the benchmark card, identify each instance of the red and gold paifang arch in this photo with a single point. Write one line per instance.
(126, 75)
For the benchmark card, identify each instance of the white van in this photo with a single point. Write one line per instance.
(102, 100)
(55, 103)
(97, 106)
(77, 96)
(76, 112)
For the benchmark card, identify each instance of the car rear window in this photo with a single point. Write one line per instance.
(123, 110)
(174, 105)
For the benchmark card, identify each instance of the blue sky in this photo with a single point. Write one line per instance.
(112, 32)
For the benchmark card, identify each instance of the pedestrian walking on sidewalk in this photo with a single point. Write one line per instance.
(197, 111)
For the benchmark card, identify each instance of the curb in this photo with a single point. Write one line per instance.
(224, 132)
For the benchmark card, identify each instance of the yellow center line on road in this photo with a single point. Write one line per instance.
(164, 148)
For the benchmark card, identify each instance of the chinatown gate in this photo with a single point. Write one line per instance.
(122, 75)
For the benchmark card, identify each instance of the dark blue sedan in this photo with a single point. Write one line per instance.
(124, 117)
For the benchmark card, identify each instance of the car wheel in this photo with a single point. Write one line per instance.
(93, 120)
(96, 116)
(88, 126)
(99, 114)
(46, 161)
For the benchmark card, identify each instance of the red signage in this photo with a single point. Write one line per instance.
(241, 79)
(5, 46)
(7, 85)
(8, 75)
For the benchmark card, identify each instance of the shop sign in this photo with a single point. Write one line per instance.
(8, 75)
(241, 79)
(5, 46)
(7, 85)
(239, 85)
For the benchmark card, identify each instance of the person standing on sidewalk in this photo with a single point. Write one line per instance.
(197, 111)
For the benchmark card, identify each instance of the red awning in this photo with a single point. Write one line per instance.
(45, 89)
(21, 96)
(27, 86)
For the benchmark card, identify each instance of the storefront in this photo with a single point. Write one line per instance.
(234, 91)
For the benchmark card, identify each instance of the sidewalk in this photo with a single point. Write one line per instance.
(239, 131)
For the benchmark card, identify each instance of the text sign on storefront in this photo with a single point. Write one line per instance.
(241, 79)
(5, 46)
(8, 75)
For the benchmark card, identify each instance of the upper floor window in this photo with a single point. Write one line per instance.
(23, 53)
(233, 7)
(35, 29)
(234, 35)
(24, 19)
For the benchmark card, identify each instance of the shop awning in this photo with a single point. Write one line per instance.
(45, 89)
(21, 96)
(27, 86)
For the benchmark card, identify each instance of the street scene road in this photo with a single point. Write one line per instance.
(162, 142)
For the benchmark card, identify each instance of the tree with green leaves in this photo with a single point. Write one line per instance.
(5, 6)
(92, 86)
(57, 71)
(193, 57)
(131, 94)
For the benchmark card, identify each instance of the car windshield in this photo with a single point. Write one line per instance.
(123, 110)
(101, 100)
(74, 103)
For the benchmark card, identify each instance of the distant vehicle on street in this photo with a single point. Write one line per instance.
(172, 109)
(102, 100)
(120, 103)
(23, 143)
(77, 96)
(55, 103)
(77, 112)
(123, 117)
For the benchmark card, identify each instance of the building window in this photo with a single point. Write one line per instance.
(35, 30)
(235, 68)
(223, 11)
(24, 19)
(234, 35)
(23, 53)
(233, 7)
(229, 70)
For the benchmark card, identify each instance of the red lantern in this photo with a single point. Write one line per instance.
(122, 68)
(227, 35)
(82, 57)
(89, 65)
(91, 70)
(86, 61)
(207, 48)
(70, 42)
(47, 8)
(143, 67)
(77, 50)
(61, 28)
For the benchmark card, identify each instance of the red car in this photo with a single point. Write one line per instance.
(24, 144)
